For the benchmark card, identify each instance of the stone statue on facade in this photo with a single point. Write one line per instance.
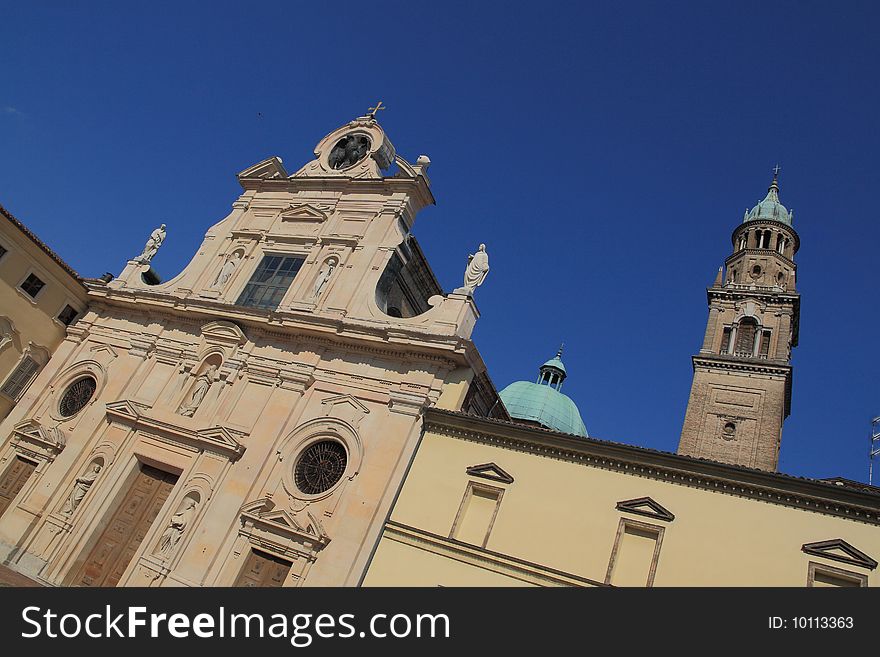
(198, 392)
(323, 277)
(80, 487)
(152, 246)
(475, 274)
(180, 521)
(226, 271)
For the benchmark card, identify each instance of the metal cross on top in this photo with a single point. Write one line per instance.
(776, 170)
(375, 109)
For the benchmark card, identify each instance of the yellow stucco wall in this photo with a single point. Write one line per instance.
(562, 515)
(33, 319)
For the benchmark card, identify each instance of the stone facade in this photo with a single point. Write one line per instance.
(741, 391)
(256, 413)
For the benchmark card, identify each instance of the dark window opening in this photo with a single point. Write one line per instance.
(67, 315)
(32, 286)
(725, 340)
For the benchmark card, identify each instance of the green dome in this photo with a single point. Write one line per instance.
(770, 209)
(542, 402)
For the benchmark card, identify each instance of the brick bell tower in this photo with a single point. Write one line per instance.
(742, 376)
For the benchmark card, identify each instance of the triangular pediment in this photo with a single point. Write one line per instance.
(645, 506)
(303, 212)
(33, 432)
(346, 400)
(282, 522)
(271, 168)
(127, 407)
(222, 436)
(839, 550)
(104, 348)
(490, 471)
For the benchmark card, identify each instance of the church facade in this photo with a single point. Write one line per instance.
(303, 406)
(249, 421)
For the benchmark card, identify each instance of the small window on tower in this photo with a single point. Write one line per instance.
(764, 349)
(728, 431)
(725, 340)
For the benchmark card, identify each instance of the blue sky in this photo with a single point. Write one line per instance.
(604, 152)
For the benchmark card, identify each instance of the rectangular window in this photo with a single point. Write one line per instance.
(764, 349)
(18, 381)
(822, 575)
(476, 514)
(270, 282)
(725, 340)
(67, 315)
(32, 286)
(635, 554)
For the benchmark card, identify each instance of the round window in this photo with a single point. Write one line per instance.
(756, 271)
(729, 430)
(320, 467)
(77, 395)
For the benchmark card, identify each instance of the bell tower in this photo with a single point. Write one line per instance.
(741, 391)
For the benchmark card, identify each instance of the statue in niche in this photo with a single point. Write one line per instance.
(176, 528)
(198, 392)
(226, 271)
(324, 277)
(152, 246)
(477, 268)
(80, 487)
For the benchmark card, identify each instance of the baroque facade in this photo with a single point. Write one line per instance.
(249, 421)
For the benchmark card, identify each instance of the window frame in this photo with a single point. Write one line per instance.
(27, 356)
(40, 277)
(65, 304)
(833, 571)
(302, 257)
(459, 516)
(658, 530)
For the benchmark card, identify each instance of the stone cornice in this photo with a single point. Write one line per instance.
(771, 487)
(735, 363)
(417, 188)
(761, 252)
(446, 350)
(472, 555)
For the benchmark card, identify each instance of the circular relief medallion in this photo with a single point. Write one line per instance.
(320, 467)
(77, 395)
(349, 150)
